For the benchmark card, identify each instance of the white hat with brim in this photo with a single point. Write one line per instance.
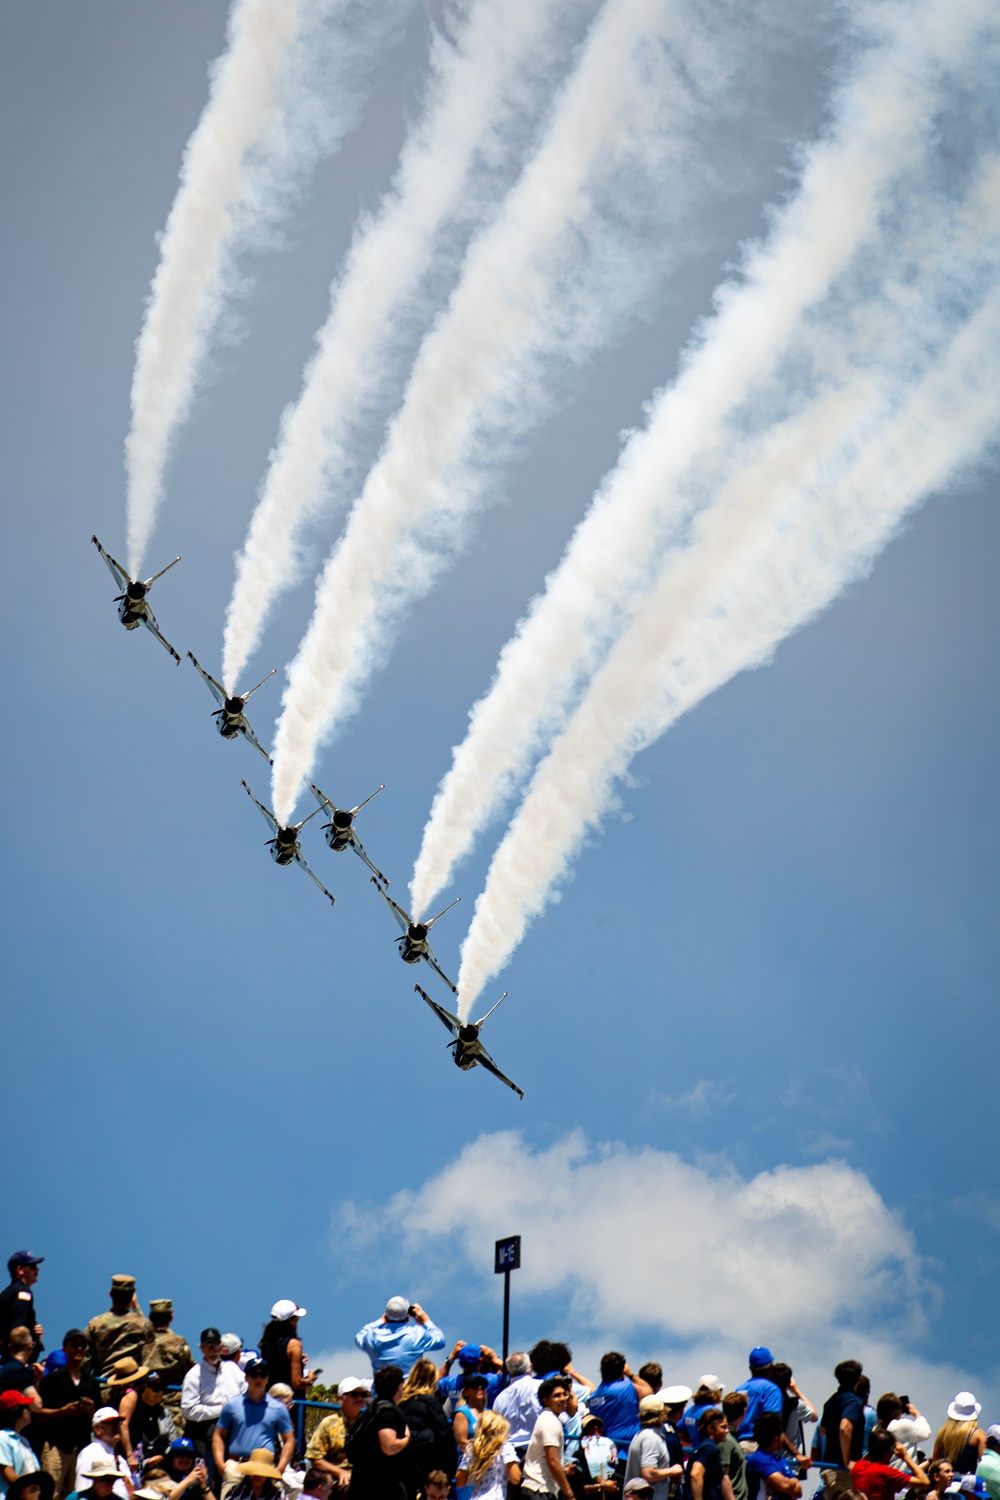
(102, 1468)
(673, 1395)
(964, 1408)
(261, 1461)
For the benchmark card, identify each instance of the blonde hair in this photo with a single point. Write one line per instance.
(952, 1438)
(421, 1381)
(492, 1431)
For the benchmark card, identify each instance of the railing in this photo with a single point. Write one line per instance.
(299, 1409)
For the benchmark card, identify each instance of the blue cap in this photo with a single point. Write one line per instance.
(23, 1258)
(56, 1361)
(256, 1366)
(181, 1445)
(760, 1356)
(470, 1355)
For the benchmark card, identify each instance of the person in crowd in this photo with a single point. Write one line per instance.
(675, 1399)
(207, 1387)
(260, 1478)
(766, 1471)
(761, 1392)
(489, 1462)
(706, 1477)
(35, 1486)
(873, 1476)
(649, 1379)
(988, 1468)
(601, 1458)
(638, 1489)
(248, 1424)
(437, 1486)
(121, 1332)
(544, 1473)
(432, 1445)
(17, 1302)
(105, 1443)
(232, 1349)
(898, 1415)
(796, 1409)
(100, 1481)
(377, 1444)
(316, 1485)
(647, 1456)
(187, 1472)
(125, 1385)
(519, 1403)
(281, 1348)
(734, 1460)
(69, 1398)
(961, 1440)
(841, 1435)
(20, 1373)
(475, 1359)
(151, 1425)
(165, 1351)
(392, 1340)
(17, 1456)
(615, 1401)
(864, 1390)
(468, 1411)
(941, 1474)
(708, 1393)
(327, 1447)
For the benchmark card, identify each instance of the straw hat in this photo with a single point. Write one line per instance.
(124, 1370)
(261, 1461)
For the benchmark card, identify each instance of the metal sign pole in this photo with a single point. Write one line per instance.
(507, 1258)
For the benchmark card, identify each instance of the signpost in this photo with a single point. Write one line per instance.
(507, 1258)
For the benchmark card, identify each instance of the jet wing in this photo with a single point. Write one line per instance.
(300, 861)
(269, 817)
(402, 917)
(448, 1021)
(118, 573)
(255, 742)
(429, 956)
(321, 797)
(487, 1062)
(149, 620)
(359, 850)
(215, 688)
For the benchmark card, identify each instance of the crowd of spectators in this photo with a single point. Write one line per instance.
(125, 1409)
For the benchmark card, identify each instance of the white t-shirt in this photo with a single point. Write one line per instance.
(492, 1485)
(548, 1433)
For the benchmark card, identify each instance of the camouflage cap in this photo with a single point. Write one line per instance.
(123, 1283)
(161, 1305)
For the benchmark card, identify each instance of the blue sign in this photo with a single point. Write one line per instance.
(508, 1254)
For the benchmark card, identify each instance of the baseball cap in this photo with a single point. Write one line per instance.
(352, 1383)
(10, 1399)
(759, 1356)
(713, 1383)
(181, 1445)
(23, 1258)
(231, 1342)
(673, 1395)
(638, 1487)
(397, 1309)
(651, 1403)
(257, 1366)
(210, 1336)
(286, 1309)
(106, 1414)
(470, 1355)
(969, 1484)
(994, 1431)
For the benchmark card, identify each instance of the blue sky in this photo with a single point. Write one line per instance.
(782, 952)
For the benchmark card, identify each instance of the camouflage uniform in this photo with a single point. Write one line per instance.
(116, 1335)
(165, 1351)
(328, 1442)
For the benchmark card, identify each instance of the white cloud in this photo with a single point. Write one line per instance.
(691, 1263)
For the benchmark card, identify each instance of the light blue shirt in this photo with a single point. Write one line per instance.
(519, 1403)
(399, 1344)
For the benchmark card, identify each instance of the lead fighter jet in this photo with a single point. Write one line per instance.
(339, 831)
(468, 1049)
(285, 847)
(133, 610)
(231, 718)
(413, 944)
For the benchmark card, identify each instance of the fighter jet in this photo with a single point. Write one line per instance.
(413, 944)
(285, 847)
(468, 1049)
(231, 718)
(339, 831)
(132, 607)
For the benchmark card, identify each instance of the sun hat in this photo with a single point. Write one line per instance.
(10, 1399)
(673, 1395)
(125, 1370)
(710, 1382)
(589, 1422)
(397, 1310)
(105, 1414)
(286, 1309)
(261, 1461)
(964, 1408)
(102, 1467)
(760, 1356)
(148, 1493)
(45, 1482)
(352, 1383)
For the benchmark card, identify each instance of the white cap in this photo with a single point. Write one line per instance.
(710, 1382)
(106, 1414)
(285, 1309)
(397, 1309)
(231, 1342)
(352, 1383)
(994, 1431)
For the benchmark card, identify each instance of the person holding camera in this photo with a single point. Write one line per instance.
(393, 1339)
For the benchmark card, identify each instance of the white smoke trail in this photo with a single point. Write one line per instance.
(760, 566)
(883, 124)
(488, 75)
(287, 89)
(553, 275)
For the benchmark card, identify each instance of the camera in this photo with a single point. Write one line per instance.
(411, 1309)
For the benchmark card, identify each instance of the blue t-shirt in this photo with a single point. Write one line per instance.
(763, 1395)
(254, 1424)
(617, 1405)
(688, 1424)
(759, 1466)
(451, 1386)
